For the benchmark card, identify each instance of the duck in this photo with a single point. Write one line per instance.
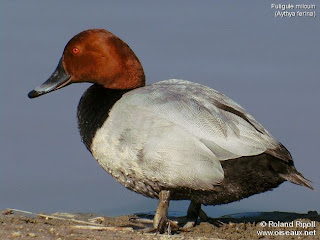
(170, 140)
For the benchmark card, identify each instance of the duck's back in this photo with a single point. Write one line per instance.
(171, 135)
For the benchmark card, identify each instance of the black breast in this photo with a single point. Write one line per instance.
(93, 110)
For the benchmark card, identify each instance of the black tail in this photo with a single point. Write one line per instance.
(297, 178)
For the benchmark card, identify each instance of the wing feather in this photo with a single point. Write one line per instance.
(209, 115)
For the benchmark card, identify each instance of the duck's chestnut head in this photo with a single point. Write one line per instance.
(96, 56)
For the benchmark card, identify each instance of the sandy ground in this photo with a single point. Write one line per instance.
(60, 226)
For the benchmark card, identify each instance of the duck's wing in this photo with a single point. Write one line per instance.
(215, 119)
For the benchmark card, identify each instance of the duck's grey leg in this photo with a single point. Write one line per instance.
(161, 217)
(194, 212)
(160, 220)
(203, 216)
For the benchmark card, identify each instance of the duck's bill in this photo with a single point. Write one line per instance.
(59, 79)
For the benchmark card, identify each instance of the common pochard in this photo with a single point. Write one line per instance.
(171, 140)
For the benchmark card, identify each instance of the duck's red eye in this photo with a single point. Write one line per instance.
(75, 50)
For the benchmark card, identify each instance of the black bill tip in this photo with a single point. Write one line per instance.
(33, 94)
(58, 79)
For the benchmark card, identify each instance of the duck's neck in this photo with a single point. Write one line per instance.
(93, 110)
(131, 77)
